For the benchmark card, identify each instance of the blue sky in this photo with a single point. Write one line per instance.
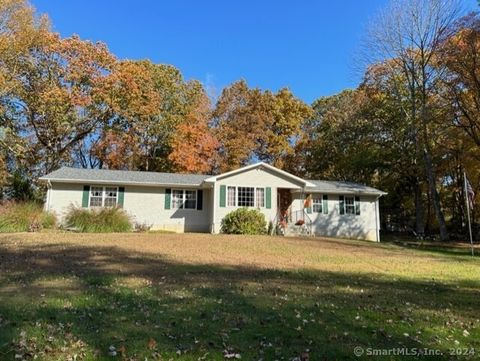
(306, 45)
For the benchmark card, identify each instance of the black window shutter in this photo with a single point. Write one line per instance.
(199, 199)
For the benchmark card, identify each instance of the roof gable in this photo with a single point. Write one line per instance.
(260, 165)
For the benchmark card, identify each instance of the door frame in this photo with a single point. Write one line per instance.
(284, 203)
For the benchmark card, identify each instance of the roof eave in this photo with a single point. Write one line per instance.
(94, 181)
(373, 193)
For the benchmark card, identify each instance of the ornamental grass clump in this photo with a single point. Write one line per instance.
(25, 217)
(98, 220)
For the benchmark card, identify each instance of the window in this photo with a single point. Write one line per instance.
(246, 197)
(190, 200)
(349, 205)
(103, 196)
(317, 204)
(260, 197)
(96, 196)
(231, 197)
(177, 198)
(110, 197)
(184, 199)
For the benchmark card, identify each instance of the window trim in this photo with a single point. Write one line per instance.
(104, 192)
(255, 205)
(184, 190)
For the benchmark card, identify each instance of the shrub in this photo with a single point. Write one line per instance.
(244, 221)
(142, 227)
(101, 220)
(25, 217)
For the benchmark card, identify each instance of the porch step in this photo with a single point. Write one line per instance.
(293, 230)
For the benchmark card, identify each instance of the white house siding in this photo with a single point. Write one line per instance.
(147, 205)
(63, 195)
(144, 204)
(256, 177)
(334, 224)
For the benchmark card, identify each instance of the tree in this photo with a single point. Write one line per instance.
(114, 149)
(20, 29)
(387, 86)
(194, 145)
(343, 140)
(237, 124)
(56, 103)
(285, 115)
(408, 34)
(460, 56)
(127, 140)
(254, 124)
(148, 101)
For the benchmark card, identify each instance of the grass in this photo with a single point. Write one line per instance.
(101, 220)
(24, 217)
(202, 297)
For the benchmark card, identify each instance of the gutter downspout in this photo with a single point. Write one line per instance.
(377, 219)
(49, 191)
(214, 205)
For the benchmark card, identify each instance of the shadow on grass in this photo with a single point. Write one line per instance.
(59, 301)
(462, 250)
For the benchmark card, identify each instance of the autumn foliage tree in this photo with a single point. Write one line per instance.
(148, 102)
(460, 55)
(20, 30)
(55, 102)
(256, 124)
(194, 145)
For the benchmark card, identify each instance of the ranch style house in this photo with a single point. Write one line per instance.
(198, 203)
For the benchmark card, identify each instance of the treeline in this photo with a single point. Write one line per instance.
(411, 128)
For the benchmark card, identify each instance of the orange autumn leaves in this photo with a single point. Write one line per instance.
(256, 124)
(71, 101)
(194, 146)
(160, 121)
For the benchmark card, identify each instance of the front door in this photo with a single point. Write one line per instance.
(284, 204)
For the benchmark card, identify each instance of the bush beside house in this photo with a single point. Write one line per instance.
(101, 220)
(25, 217)
(244, 221)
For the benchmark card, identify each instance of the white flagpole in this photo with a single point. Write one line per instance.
(467, 202)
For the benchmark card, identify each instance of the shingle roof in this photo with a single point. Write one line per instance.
(79, 175)
(343, 187)
(124, 177)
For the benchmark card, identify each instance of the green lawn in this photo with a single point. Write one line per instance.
(203, 297)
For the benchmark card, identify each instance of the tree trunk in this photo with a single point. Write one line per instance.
(428, 218)
(419, 224)
(432, 187)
